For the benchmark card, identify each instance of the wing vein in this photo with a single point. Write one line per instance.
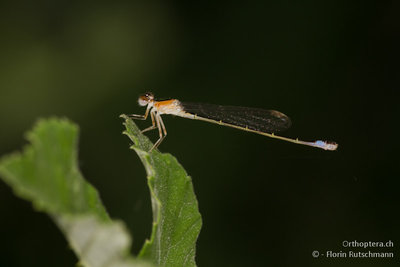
(267, 121)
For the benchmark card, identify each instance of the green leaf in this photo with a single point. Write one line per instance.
(46, 173)
(176, 219)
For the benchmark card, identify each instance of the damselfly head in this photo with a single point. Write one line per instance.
(145, 99)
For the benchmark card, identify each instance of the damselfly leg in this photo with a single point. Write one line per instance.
(153, 126)
(157, 122)
(140, 117)
(161, 130)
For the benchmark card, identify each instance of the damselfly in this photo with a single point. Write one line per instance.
(260, 121)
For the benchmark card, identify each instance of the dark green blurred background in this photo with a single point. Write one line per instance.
(329, 65)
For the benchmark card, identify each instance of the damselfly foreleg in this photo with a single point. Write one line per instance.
(140, 117)
(153, 126)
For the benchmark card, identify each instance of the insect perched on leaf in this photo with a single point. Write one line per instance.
(260, 121)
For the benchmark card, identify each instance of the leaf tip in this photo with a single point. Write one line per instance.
(124, 116)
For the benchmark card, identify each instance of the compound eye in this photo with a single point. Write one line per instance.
(149, 95)
(143, 100)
